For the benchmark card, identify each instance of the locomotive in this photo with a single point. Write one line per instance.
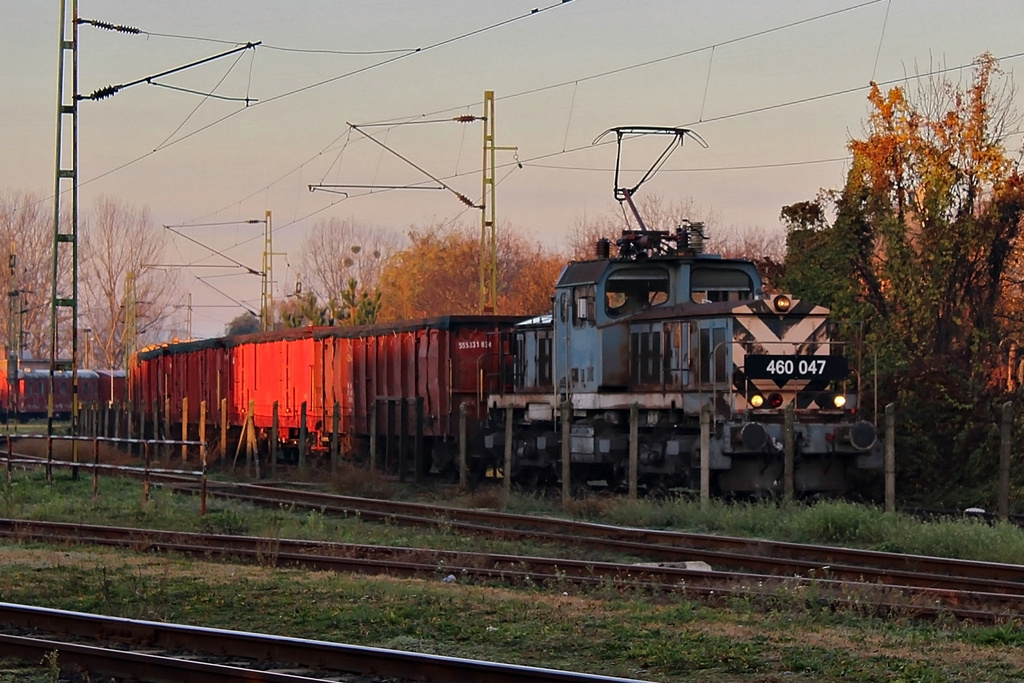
(670, 329)
(673, 331)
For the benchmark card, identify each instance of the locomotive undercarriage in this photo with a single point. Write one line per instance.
(746, 456)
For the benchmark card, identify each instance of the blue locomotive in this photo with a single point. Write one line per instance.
(662, 325)
(670, 331)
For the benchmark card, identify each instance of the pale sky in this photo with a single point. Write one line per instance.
(776, 89)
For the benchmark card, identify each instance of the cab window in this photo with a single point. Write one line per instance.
(635, 290)
(583, 306)
(717, 284)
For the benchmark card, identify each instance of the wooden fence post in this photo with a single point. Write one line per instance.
(95, 468)
(202, 458)
(184, 428)
(403, 427)
(145, 476)
(373, 435)
(335, 437)
(224, 428)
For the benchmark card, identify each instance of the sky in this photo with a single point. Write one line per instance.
(775, 90)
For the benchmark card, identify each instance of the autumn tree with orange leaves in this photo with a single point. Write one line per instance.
(438, 274)
(922, 247)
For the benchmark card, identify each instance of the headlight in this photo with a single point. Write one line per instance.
(775, 400)
(782, 303)
(757, 400)
(839, 401)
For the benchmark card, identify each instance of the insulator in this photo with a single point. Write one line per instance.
(465, 118)
(466, 200)
(603, 248)
(120, 28)
(102, 93)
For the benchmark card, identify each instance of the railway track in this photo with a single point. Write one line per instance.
(722, 552)
(964, 600)
(137, 650)
(926, 586)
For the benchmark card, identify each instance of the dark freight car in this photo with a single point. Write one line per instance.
(408, 378)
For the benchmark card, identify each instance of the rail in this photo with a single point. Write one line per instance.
(927, 597)
(274, 658)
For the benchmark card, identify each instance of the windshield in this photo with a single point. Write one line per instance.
(635, 290)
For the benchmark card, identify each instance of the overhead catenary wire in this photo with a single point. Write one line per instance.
(110, 90)
(657, 60)
(582, 148)
(426, 117)
(348, 74)
(250, 270)
(461, 197)
(226, 295)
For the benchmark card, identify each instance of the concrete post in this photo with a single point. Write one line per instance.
(634, 448)
(303, 434)
(1005, 434)
(566, 453)
(463, 465)
(705, 455)
(890, 458)
(506, 472)
(275, 436)
(790, 449)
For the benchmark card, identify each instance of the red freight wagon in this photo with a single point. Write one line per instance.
(162, 376)
(275, 367)
(446, 362)
(441, 362)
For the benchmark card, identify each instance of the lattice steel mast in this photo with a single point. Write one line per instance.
(65, 244)
(267, 297)
(14, 331)
(488, 213)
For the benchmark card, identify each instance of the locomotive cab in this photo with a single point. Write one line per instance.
(602, 308)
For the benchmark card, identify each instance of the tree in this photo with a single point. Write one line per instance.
(929, 218)
(438, 274)
(26, 232)
(924, 247)
(303, 309)
(336, 251)
(118, 240)
(360, 307)
(766, 250)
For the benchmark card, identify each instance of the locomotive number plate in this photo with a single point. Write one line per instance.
(795, 367)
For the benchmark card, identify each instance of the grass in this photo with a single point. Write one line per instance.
(659, 636)
(663, 637)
